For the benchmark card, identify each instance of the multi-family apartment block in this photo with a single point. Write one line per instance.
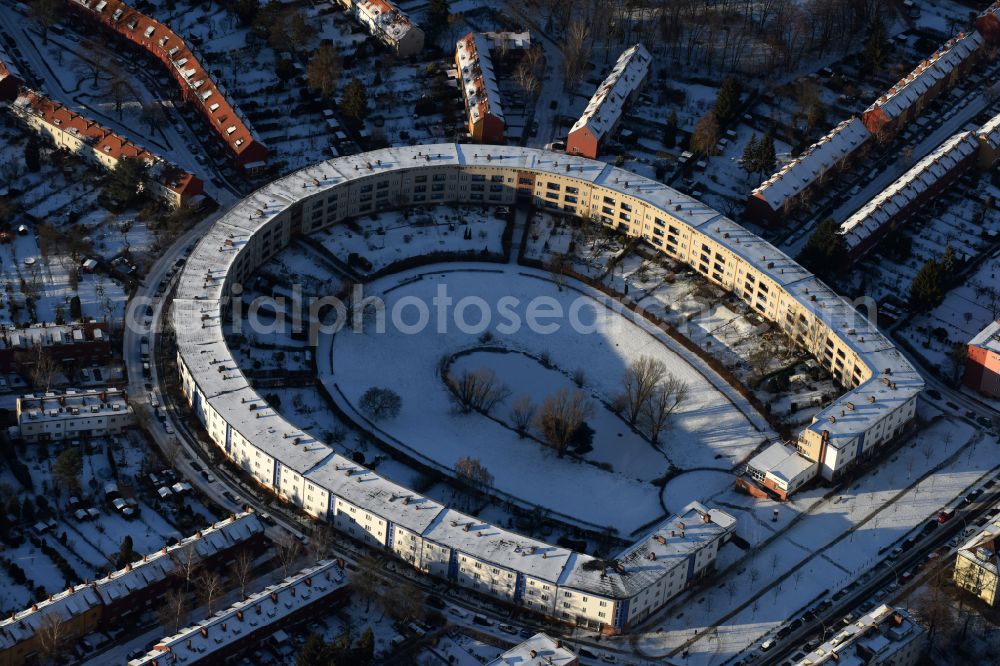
(80, 135)
(56, 416)
(882, 387)
(388, 24)
(605, 108)
(227, 122)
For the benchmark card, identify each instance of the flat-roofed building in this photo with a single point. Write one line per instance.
(882, 637)
(82, 136)
(539, 650)
(976, 563)
(605, 108)
(388, 24)
(85, 343)
(982, 361)
(778, 469)
(56, 416)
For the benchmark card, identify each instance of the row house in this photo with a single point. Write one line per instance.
(82, 136)
(227, 122)
(604, 111)
(84, 344)
(982, 361)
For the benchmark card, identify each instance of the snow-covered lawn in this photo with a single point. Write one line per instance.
(707, 431)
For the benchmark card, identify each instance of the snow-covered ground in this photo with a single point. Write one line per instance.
(707, 430)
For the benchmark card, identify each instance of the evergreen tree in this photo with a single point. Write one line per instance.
(364, 649)
(354, 101)
(876, 46)
(751, 155)
(766, 156)
(824, 253)
(67, 468)
(727, 103)
(437, 16)
(32, 155)
(126, 180)
(927, 289)
(126, 553)
(670, 132)
(315, 652)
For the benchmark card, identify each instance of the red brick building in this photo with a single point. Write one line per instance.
(10, 79)
(484, 113)
(907, 99)
(196, 86)
(988, 24)
(86, 344)
(605, 108)
(982, 362)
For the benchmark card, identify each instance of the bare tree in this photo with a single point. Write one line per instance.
(639, 382)
(288, 549)
(477, 390)
(186, 563)
(380, 403)
(209, 588)
(172, 610)
(324, 70)
(576, 51)
(51, 634)
(404, 602)
(241, 569)
(321, 541)
(668, 395)
(365, 580)
(560, 417)
(474, 470)
(521, 414)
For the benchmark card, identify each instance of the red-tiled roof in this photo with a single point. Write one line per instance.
(107, 142)
(196, 84)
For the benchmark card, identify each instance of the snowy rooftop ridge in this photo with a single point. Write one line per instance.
(880, 633)
(479, 83)
(988, 338)
(940, 65)
(607, 102)
(228, 626)
(990, 131)
(73, 601)
(95, 401)
(901, 192)
(798, 174)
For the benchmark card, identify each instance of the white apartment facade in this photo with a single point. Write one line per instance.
(882, 386)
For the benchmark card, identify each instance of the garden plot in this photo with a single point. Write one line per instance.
(706, 431)
(396, 235)
(588, 249)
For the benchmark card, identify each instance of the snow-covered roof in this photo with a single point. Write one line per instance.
(385, 17)
(608, 101)
(53, 335)
(883, 208)
(664, 548)
(269, 607)
(993, 10)
(510, 40)
(817, 159)
(479, 83)
(539, 650)
(988, 338)
(782, 462)
(990, 132)
(202, 292)
(55, 404)
(8, 69)
(914, 85)
(164, 44)
(225, 534)
(881, 633)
